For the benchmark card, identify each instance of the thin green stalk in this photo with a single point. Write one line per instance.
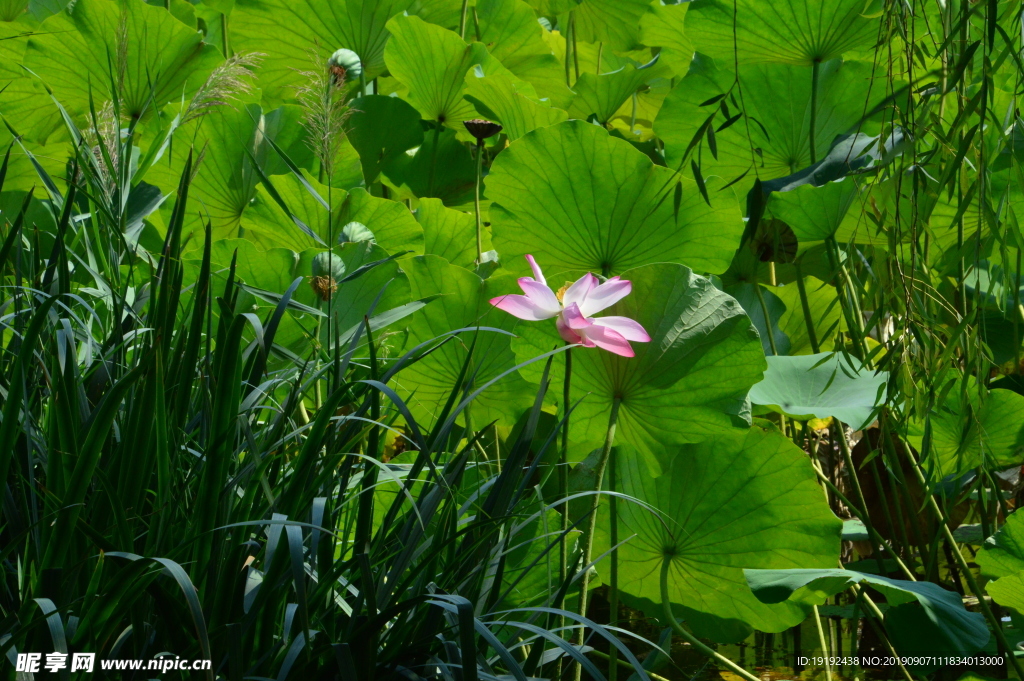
(666, 608)
(876, 619)
(462, 19)
(812, 335)
(224, 35)
(568, 51)
(1016, 316)
(613, 585)
(476, 202)
(767, 318)
(815, 65)
(575, 51)
(563, 479)
(588, 534)
(824, 646)
(433, 158)
(600, 53)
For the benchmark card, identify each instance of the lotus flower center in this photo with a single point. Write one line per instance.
(561, 292)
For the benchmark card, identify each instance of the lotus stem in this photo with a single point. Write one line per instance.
(624, 664)
(462, 19)
(575, 51)
(613, 584)
(600, 53)
(568, 51)
(815, 65)
(767, 318)
(563, 479)
(823, 644)
(670, 618)
(476, 204)
(876, 619)
(588, 533)
(433, 158)
(812, 335)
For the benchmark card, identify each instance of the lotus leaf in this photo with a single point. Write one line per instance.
(819, 386)
(742, 498)
(923, 618)
(579, 199)
(683, 386)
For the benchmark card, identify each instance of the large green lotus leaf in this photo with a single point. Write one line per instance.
(449, 233)
(967, 430)
(602, 95)
(802, 388)
(454, 169)
(391, 223)
(616, 23)
(380, 128)
(1008, 591)
(512, 35)
(1003, 554)
(776, 99)
(432, 62)
(826, 315)
(815, 213)
(290, 33)
(683, 386)
(743, 498)
(786, 32)
(226, 180)
(663, 27)
(923, 618)
(579, 199)
(77, 49)
(463, 304)
(496, 98)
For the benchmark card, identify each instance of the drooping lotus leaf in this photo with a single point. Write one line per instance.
(967, 429)
(454, 170)
(308, 31)
(663, 27)
(380, 128)
(463, 303)
(602, 95)
(774, 135)
(815, 213)
(616, 23)
(77, 50)
(819, 386)
(683, 386)
(579, 199)
(746, 295)
(922, 618)
(226, 180)
(825, 315)
(496, 98)
(449, 233)
(512, 35)
(743, 498)
(786, 32)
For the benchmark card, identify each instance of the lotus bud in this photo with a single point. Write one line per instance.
(345, 65)
(481, 129)
(328, 269)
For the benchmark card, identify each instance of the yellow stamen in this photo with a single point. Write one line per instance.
(561, 292)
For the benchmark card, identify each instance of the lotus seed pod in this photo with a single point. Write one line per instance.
(345, 65)
(481, 129)
(328, 264)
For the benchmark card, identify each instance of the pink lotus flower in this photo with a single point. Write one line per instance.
(573, 305)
